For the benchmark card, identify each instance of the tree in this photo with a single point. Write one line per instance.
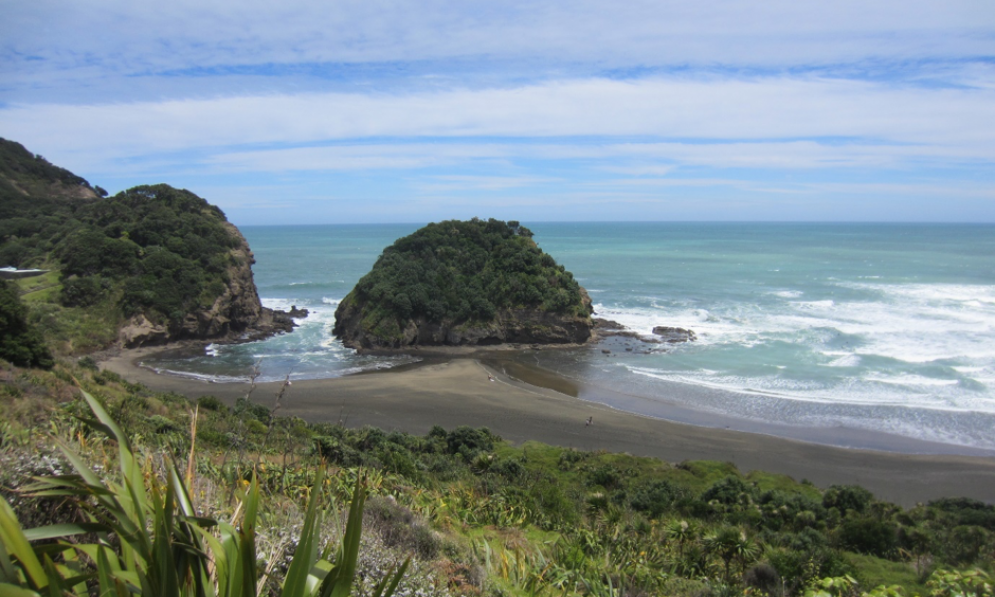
(19, 343)
(847, 497)
(731, 544)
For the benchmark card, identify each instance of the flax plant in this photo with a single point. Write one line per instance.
(143, 537)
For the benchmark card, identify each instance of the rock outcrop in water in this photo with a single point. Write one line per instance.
(674, 335)
(475, 283)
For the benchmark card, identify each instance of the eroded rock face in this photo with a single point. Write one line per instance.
(508, 327)
(139, 331)
(235, 314)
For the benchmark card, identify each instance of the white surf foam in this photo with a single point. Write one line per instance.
(708, 328)
(846, 360)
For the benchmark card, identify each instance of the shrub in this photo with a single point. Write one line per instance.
(655, 498)
(964, 544)
(469, 441)
(847, 497)
(248, 408)
(162, 424)
(334, 450)
(83, 292)
(764, 578)
(869, 535)
(966, 511)
(606, 475)
(508, 468)
(19, 343)
(161, 543)
(211, 403)
(729, 491)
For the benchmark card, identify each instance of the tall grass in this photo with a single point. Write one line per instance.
(142, 536)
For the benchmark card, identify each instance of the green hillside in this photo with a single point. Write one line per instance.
(478, 516)
(152, 250)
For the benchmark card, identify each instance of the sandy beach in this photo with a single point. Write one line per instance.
(457, 391)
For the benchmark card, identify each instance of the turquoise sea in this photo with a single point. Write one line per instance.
(871, 328)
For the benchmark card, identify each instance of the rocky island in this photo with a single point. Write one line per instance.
(464, 283)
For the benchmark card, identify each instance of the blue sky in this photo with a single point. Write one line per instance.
(370, 111)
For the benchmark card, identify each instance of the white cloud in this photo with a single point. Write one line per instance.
(635, 97)
(481, 183)
(760, 122)
(121, 36)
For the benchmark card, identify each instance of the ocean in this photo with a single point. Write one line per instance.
(877, 329)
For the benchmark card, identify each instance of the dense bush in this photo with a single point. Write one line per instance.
(83, 292)
(730, 490)
(655, 498)
(461, 271)
(847, 497)
(869, 535)
(469, 441)
(166, 249)
(19, 343)
(965, 511)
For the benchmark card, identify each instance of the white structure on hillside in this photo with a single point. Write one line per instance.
(12, 273)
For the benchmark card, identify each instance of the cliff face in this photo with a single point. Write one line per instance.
(235, 314)
(510, 326)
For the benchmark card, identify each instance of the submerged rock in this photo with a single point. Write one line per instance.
(674, 335)
(297, 313)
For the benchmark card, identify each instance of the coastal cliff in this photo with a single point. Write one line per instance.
(147, 266)
(474, 283)
(236, 313)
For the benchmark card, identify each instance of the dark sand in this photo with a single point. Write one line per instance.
(457, 392)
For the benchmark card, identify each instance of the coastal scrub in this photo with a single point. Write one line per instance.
(470, 282)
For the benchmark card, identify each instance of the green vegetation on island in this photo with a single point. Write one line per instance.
(457, 275)
(476, 515)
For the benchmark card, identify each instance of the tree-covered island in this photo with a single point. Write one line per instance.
(464, 283)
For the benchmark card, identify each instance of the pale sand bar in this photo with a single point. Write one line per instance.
(458, 392)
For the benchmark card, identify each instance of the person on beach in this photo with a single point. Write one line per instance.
(590, 421)
(490, 377)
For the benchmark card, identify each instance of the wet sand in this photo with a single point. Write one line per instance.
(457, 391)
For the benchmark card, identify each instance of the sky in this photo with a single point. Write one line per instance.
(365, 111)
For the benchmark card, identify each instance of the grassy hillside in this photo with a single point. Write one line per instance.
(483, 517)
